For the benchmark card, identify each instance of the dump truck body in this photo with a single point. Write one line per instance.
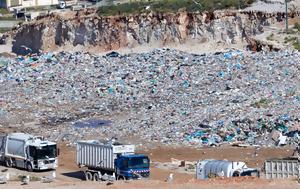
(99, 156)
(282, 168)
(27, 151)
(115, 160)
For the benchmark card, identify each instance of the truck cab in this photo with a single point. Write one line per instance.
(132, 166)
(43, 156)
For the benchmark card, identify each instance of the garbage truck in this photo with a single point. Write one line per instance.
(222, 168)
(111, 161)
(29, 152)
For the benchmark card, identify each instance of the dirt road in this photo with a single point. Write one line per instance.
(69, 175)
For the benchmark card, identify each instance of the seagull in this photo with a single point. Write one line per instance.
(221, 174)
(25, 180)
(169, 178)
(148, 7)
(49, 178)
(4, 179)
(7, 176)
(110, 179)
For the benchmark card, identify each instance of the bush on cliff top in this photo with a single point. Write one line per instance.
(3, 11)
(171, 6)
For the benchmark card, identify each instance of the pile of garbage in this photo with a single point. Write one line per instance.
(164, 96)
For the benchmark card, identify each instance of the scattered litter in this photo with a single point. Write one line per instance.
(167, 96)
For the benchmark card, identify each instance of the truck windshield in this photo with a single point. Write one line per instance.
(46, 152)
(138, 162)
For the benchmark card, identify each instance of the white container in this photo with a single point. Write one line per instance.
(222, 168)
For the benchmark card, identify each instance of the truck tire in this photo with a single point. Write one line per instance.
(88, 176)
(121, 177)
(236, 174)
(29, 167)
(8, 162)
(96, 177)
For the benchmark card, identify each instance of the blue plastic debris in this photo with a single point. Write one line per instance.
(93, 123)
(186, 84)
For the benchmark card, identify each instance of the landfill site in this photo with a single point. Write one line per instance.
(206, 99)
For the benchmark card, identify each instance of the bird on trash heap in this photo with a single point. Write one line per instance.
(169, 178)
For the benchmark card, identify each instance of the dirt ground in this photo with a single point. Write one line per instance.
(70, 176)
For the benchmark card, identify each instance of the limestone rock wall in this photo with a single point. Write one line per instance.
(109, 33)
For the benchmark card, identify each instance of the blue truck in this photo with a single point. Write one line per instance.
(111, 161)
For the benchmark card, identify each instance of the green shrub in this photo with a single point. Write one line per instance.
(297, 26)
(3, 30)
(171, 6)
(271, 37)
(297, 45)
(3, 11)
(262, 103)
(290, 39)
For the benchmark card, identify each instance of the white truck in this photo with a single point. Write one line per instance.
(221, 168)
(62, 4)
(111, 161)
(27, 151)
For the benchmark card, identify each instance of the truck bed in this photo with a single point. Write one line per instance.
(95, 156)
(282, 168)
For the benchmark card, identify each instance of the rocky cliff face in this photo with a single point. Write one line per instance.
(109, 33)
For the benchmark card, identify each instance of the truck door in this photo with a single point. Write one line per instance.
(32, 155)
(121, 165)
(2, 146)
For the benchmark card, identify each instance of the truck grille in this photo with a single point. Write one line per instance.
(49, 161)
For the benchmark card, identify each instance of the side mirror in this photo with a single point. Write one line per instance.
(58, 151)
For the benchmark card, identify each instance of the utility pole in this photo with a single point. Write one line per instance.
(286, 16)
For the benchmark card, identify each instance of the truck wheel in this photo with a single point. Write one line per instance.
(236, 174)
(121, 177)
(96, 177)
(8, 163)
(29, 167)
(88, 176)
